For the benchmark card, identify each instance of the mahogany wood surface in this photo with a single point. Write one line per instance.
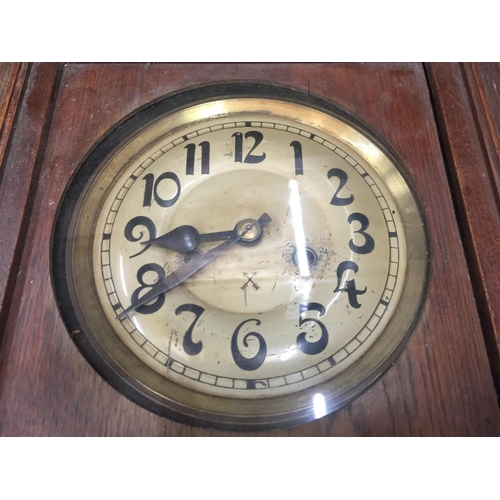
(12, 77)
(468, 104)
(20, 175)
(8, 73)
(440, 385)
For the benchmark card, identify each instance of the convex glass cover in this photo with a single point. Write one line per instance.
(248, 260)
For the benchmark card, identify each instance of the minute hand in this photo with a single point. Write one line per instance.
(184, 272)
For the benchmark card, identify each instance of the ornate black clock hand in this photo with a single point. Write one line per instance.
(187, 238)
(196, 264)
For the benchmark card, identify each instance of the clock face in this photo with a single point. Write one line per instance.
(248, 261)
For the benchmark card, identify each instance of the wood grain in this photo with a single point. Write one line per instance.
(20, 175)
(468, 104)
(8, 73)
(441, 384)
(12, 78)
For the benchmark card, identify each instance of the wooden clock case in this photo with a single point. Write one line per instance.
(441, 119)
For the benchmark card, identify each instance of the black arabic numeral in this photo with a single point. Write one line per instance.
(148, 190)
(297, 151)
(190, 347)
(151, 190)
(140, 221)
(158, 301)
(342, 177)
(369, 243)
(238, 147)
(248, 364)
(305, 345)
(350, 286)
(205, 158)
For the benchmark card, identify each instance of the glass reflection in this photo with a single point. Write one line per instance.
(319, 405)
(298, 229)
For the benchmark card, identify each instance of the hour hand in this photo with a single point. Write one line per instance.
(247, 231)
(187, 238)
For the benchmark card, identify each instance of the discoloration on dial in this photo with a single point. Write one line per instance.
(333, 237)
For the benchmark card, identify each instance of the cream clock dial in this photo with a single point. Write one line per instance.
(250, 260)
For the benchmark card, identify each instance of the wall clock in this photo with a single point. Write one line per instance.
(240, 256)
